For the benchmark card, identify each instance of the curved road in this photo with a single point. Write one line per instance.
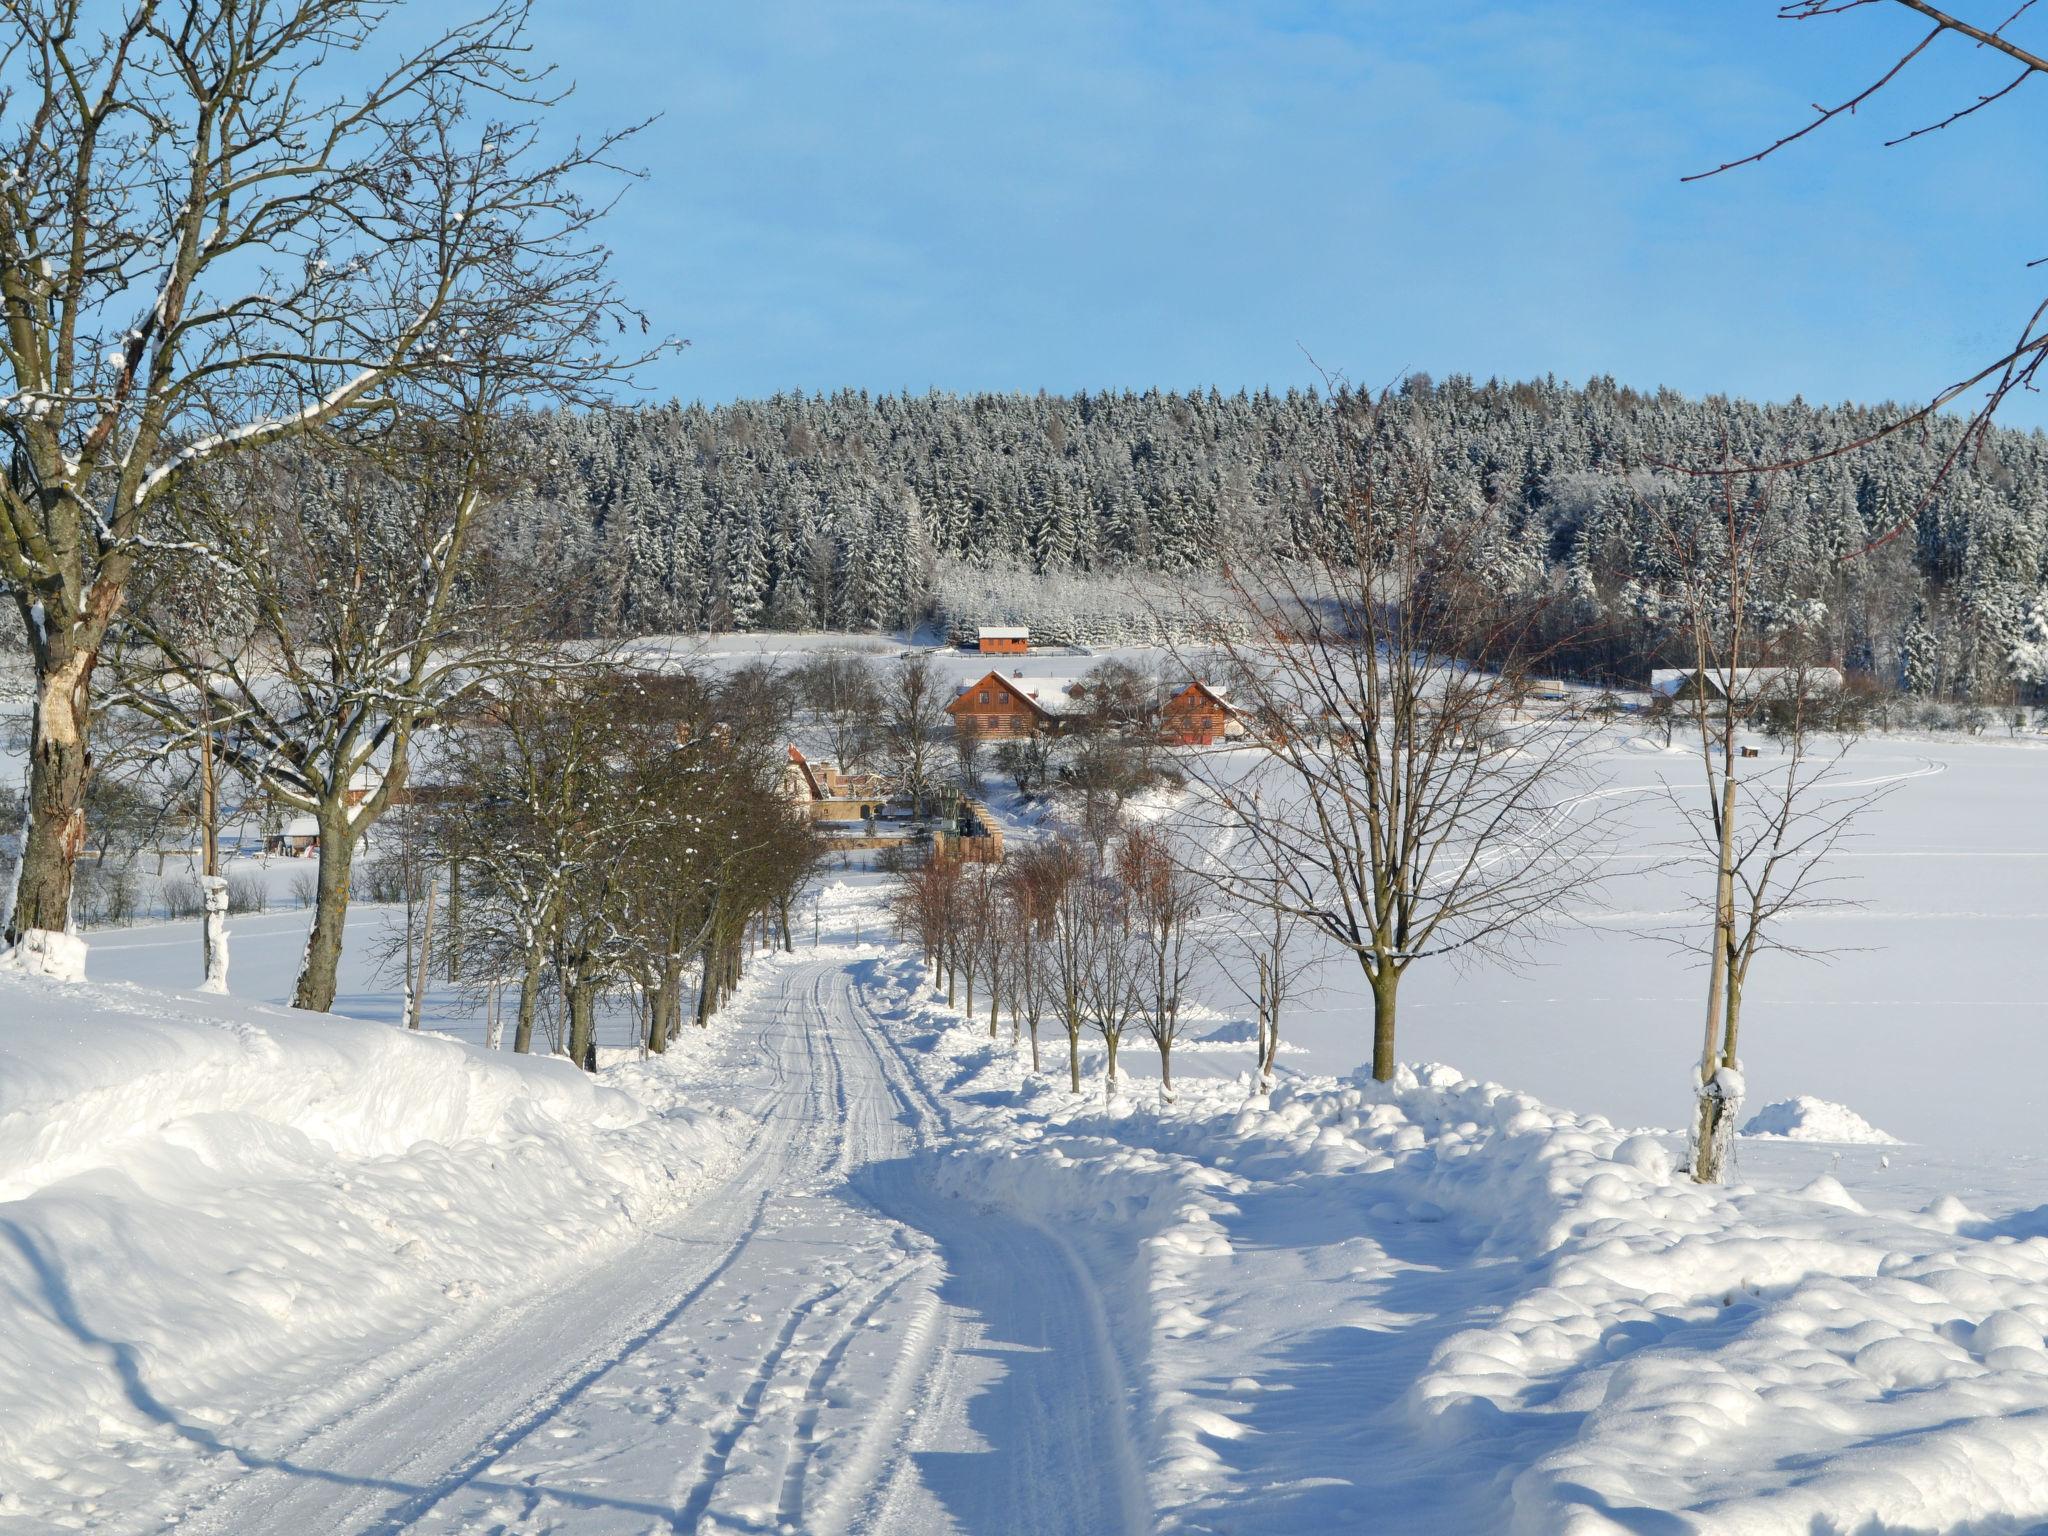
(820, 1344)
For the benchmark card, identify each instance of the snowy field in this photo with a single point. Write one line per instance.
(840, 1264)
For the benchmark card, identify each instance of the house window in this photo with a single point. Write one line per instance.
(1208, 724)
(984, 695)
(1016, 722)
(1001, 698)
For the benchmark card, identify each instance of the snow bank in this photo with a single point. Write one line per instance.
(211, 1213)
(1533, 1305)
(1810, 1119)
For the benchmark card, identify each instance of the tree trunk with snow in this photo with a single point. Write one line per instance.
(529, 997)
(60, 764)
(319, 970)
(215, 928)
(417, 999)
(583, 1025)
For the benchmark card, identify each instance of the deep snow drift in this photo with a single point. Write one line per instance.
(1809, 1119)
(214, 1214)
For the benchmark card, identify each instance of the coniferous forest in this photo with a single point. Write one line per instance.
(859, 512)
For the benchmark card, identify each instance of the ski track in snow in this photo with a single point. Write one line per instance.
(824, 1342)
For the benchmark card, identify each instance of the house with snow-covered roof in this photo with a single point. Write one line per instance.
(1198, 716)
(1002, 639)
(1744, 685)
(1001, 706)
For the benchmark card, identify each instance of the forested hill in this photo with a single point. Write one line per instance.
(857, 512)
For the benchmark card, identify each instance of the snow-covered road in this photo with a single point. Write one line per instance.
(821, 1342)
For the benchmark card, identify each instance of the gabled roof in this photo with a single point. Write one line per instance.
(1216, 697)
(1047, 695)
(1003, 632)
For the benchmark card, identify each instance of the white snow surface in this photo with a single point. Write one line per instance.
(214, 1216)
(1806, 1118)
(846, 1264)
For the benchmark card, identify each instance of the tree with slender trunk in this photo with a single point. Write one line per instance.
(1117, 964)
(1766, 836)
(218, 234)
(1413, 809)
(1165, 902)
(1069, 944)
(914, 718)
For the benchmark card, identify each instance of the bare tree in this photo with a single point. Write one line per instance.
(967, 756)
(1030, 887)
(1068, 876)
(838, 688)
(1165, 903)
(1766, 836)
(215, 235)
(2019, 367)
(1114, 978)
(1410, 808)
(913, 723)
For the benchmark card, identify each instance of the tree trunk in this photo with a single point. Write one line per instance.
(1034, 1047)
(583, 1026)
(1709, 1134)
(1074, 1058)
(1386, 984)
(453, 926)
(1110, 1043)
(317, 972)
(213, 930)
(529, 998)
(1166, 1068)
(995, 1003)
(419, 987)
(60, 763)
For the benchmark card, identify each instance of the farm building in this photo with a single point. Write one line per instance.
(1746, 685)
(1007, 707)
(1198, 716)
(1002, 640)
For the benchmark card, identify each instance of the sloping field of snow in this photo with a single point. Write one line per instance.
(214, 1216)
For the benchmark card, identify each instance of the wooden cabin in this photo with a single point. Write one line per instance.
(1199, 716)
(1002, 640)
(1004, 707)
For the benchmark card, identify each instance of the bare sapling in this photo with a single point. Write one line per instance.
(1763, 825)
(1165, 901)
(1116, 969)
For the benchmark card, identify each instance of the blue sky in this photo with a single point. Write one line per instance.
(1119, 193)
